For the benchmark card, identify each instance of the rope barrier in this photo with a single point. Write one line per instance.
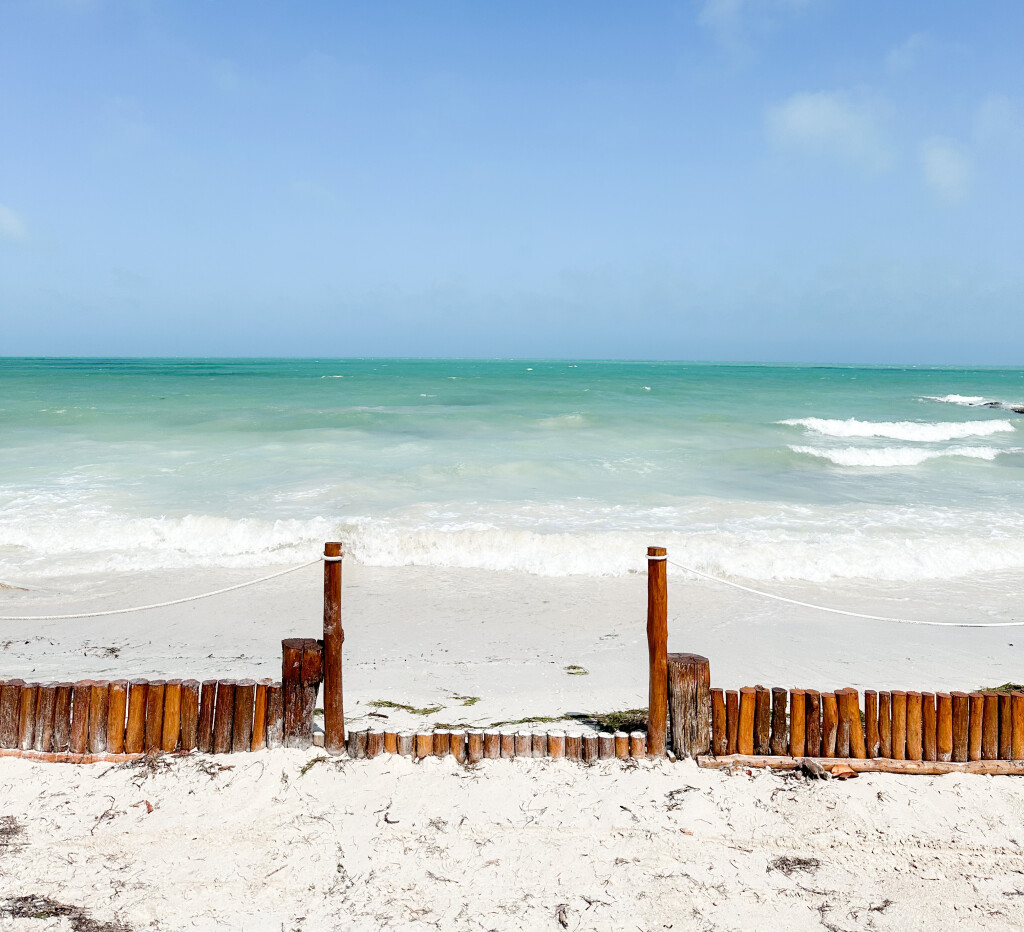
(840, 611)
(191, 598)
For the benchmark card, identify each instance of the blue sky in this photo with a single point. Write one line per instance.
(794, 180)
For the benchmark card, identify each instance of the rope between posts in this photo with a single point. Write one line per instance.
(191, 598)
(840, 611)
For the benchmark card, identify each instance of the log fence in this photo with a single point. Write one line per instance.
(897, 730)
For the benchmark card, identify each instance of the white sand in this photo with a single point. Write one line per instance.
(390, 843)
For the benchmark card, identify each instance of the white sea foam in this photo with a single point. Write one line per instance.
(894, 456)
(756, 542)
(973, 401)
(901, 430)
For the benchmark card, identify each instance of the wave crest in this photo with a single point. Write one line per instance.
(901, 430)
(894, 456)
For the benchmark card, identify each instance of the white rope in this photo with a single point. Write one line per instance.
(839, 611)
(191, 598)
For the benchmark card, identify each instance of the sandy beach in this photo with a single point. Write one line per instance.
(292, 840)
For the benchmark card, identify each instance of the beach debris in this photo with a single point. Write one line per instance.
(576, 670)
(560, 915)
(787, 865)
(812, 769)
(843, 772)
(42, 907)
(10, 828)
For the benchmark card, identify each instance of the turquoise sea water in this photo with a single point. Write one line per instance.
(555, 467)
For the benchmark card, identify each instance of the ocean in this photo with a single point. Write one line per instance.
(755, 472)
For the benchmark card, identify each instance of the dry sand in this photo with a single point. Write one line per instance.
(253, 842)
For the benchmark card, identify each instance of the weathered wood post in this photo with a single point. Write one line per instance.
(657, 648)
(334, 637)
(689, 688)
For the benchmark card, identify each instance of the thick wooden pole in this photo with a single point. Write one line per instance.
(189, 714)
(155, 715)
(27, 716)
(915, 724)
(657, 649)
(334, 638)
(259, 716)
(62, 717)
(885, 724)
(275, 716)
(944, 742)
(719, 738)
(797, 723)
(223, 716)
(10, 717)
(1017, 747)
(871, 722)
(45, 705)
(745, 734)
(1005, 725)
(135, 730)
(117, 707)
(80, 717)
(170, 731)
(241, 725)
(762, 720)
(207, 703)
(829, 724)
(780, 737)
(291, 684)
(732, 721)
(977, 720)
(990, 728)
(928, 730)
(689, 688)
(812, 722)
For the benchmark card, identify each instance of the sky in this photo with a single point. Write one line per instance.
(765, 180)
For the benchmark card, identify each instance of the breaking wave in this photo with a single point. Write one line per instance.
(901, 430)
(894, 456)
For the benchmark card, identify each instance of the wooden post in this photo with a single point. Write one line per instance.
(135, 731)
(117, 707)
(844, 725)
(62, 717)
(657, 649)
(259, 716)
(929, 745)
(492, 745)
(1005, 726)
(899, 724)
(780, 735)
(812, 727)
(797, 722)
(171, 731)
(621, 744)
(223, 717)
(915, 722)
(605, 745)
(524, 744)
(885, 724)
(961, 726)
(406, 743)
(424, 744)
(291, 683)
(689, 695)
(10, 713)
(46, 701)
(391, 742)
(556, 744)
(474, 746)
(275, 716)
(1018, 726)
(745, 736)
(81, 695)
(637, 744)
(508, 743)
(977, 720)
(442, 743)
(375, 742)
(155, 715)
(858, 746)
(458, 746)
(871, 722)
(241, 725)
(207, 704)
(357, 740)
(540, 745)
(719, 736)
(990, 728)
(99, 698)
(732, 721)
(762, 720)
(27, 716)
(590, 750)
(312, 677)
(189, 715)
(829, 724)
(944, 742)
(334, 638)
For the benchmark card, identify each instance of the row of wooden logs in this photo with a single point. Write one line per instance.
(898, 725)
(143, 716)
(473, 746)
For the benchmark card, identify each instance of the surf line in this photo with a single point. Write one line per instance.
(849, 614)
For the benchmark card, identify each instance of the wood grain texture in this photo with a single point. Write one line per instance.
(657, 650)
